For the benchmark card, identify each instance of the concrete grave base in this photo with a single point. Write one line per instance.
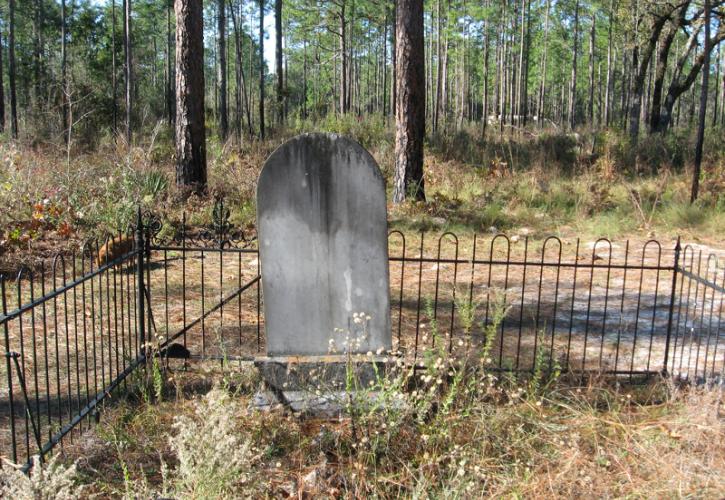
(317, 385)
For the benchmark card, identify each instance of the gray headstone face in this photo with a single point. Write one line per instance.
(322, 225)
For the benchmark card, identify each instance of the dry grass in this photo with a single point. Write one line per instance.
(546, 183)
(512, 438)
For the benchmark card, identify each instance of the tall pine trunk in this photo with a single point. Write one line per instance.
(11, 71)
(63, 69)
(190, 131)
(114, 71)
(486, 50)
(608, 89)
(572, 83)
(410, 108)
(261, 69)
(169, 67)
(439, 72)
(542, 88)
(592, 41)
(37, 50)
(703, 108)
(222, 68)
(129, 70)
(716, 104)
(2, 90)
(344, 89)
(278, 56)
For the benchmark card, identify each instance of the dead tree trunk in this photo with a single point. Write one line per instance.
(410, 108)
(190, 131)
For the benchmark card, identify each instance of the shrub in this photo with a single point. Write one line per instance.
(215, 456)
(49, 481)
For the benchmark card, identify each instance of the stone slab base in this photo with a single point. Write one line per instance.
(328, 405)
(316, 385)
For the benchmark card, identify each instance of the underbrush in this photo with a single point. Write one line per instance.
(450, 430)
(541, 182)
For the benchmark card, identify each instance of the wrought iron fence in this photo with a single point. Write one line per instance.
(74, 332)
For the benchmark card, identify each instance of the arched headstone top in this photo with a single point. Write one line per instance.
(321, 145)
(322, 227)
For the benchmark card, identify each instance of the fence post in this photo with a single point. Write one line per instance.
(671, 313)
(140, 294)
(6, 330)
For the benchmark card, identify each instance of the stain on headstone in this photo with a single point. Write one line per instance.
(322, 225)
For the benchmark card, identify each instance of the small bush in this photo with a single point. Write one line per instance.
(215, 456)
(49, 481)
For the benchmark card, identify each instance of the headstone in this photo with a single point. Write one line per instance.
(322, 226)
(322, 229)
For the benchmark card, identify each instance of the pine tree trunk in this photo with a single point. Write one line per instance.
(343, 61)
(722, 89)
(608, 88)
(222, 76)
(572, 83)
(385, 64)
(486, 49)
(716, 104)
(63, 67)
(703, 108)
(304, 78)
(11, 71)
(520, 83)
(542, 90)
(190, 131)
(279, 61)
(242, 95)
(410, 109)
(2, 90)
(592, 41)
(261, 69)
(527, 41)
(439, 72)
(37, 50)
(169, 67)
(394, 79)
(129, 70)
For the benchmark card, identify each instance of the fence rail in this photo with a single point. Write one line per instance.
(75, 331)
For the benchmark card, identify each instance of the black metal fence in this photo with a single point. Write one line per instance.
(74, 332)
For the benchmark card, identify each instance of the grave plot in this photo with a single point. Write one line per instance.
(75, 331)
